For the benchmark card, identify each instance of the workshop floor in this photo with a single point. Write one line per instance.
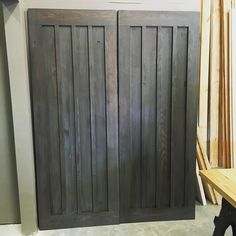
(203, 225)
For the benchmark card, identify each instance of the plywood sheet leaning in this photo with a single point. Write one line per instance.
(214, 82)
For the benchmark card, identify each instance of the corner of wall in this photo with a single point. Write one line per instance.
(21, 109)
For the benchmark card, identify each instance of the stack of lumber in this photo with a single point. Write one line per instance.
(215, 117)
(215, 136)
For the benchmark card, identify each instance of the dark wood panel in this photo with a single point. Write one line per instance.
(124, 119)
(75, 100)
(149, 38)
(45, 87)
(191, 112)
(154, 50)
(66, 118)
(74, 89)
(52, 118)
(98, 117)
(161, 18)
(82, 118)
(164, 75)
(112, 120)
(135, 116)
(179, 81)
(73, 17)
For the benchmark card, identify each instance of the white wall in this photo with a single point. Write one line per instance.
(155, 5)
(15, 25)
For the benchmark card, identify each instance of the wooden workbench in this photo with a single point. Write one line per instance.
(224, 182)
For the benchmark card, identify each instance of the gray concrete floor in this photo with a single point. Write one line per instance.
(201, 226)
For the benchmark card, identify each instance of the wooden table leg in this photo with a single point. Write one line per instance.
(226, 218)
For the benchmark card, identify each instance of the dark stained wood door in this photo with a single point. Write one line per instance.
(73, 57)
(158, 73)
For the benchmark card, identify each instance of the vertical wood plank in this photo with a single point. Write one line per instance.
(112, 119)
(180, 56)
(164, 62)
(149, 116)
(214, 83)
(232, 165)
(234, 85)
(62, 160)
(66, 113)
(82, 119)
(191, 113)
(204, 70)
(39, 98)
(52, 118)
(98, 117)
(92, 105)
(124, 116)
(173, 121)
(135, 114)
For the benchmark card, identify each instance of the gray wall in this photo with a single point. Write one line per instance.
(9, 204)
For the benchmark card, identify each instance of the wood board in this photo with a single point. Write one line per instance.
(204, 70)
(214, 77)
(224, 181)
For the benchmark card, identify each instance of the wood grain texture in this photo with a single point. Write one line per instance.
(98, 117)
(233, 87)
(135, 114)
(214, 82)
(204, 70)
(178, 123)
(75, 111)
(225, 110)
(159, 51)
(224, 181)
(148, 105)
(163, 148)
(82, 117)
(66, 117)
(74, 90)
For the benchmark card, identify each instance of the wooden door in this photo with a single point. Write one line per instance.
(158, 73)
(74, 99)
